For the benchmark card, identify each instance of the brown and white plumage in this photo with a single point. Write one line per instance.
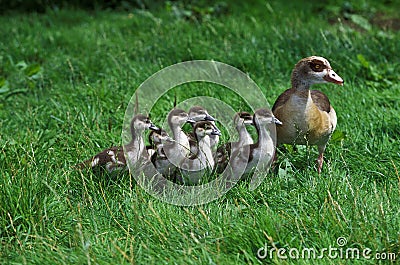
(113, 158)
(158, 158)
(193, 168)
(157, 138)
(262, 151)
(307, 115)
(240, 120)
(176, 119)
(174, 151)
(198, 113)
(245, 158)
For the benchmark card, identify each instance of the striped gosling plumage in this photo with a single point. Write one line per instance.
(113, 158)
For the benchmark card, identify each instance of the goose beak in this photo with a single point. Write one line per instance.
(332, 77)
(276, 121)
(209, 118)
(153, 127)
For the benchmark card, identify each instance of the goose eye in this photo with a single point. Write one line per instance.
(316, 66)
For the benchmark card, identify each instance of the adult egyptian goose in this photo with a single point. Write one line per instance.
(194, 168)
(113, 158)
(262, 151)
(241, 120)
(307, 115)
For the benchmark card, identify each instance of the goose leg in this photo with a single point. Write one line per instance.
(320, 159)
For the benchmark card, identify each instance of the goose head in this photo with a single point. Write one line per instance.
(198, 113)
(264, 117)
(204, 128)
(141, 123)
(314, 70)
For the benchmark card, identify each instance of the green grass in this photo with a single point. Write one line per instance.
(67, 76)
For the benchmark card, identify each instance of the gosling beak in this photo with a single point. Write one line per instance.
(191, 121)
(153, 127)
(209, 118)
(216, 132)
(276, 121)
(332, 77)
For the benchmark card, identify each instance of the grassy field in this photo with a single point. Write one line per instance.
(67, 76)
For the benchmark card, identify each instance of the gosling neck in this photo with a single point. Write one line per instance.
(205, 153)
(244, 136)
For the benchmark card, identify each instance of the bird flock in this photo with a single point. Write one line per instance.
(300, 116)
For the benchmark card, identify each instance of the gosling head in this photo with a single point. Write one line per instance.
(204, 128)
(265, 117)
(243, 119)
(142, 122)
(159, 136)
(178, 117)
(198, 113)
